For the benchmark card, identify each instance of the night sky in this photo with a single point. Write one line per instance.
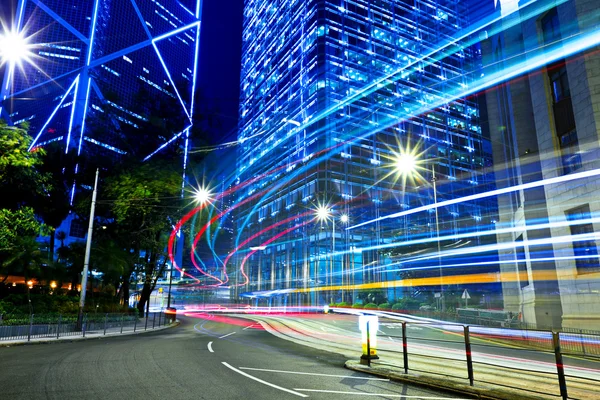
(220, 52)
(219, 65)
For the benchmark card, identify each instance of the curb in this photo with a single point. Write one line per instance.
(68, 339)
(441, 384)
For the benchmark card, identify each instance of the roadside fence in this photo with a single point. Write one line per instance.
(553, 366)
(27, 327)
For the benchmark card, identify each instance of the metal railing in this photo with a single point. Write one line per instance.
(493, 361)
(28, 327)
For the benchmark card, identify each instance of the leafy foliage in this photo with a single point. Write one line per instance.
(17, 224)
(14, 145)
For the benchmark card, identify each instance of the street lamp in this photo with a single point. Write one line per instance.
(406, 164)
(14, 48)
(202, 195)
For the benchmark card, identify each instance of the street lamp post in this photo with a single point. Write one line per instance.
(437, 230)
(323, 214)
(406, 164)
(88, 247)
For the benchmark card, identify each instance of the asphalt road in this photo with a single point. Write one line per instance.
(214, 358)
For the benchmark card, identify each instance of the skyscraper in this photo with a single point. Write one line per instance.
(100, 69)
(340, 99)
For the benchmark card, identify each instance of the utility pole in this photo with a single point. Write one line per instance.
(88, 247)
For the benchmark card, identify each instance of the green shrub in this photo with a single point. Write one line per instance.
(343, 304)
(371, 306)
(398, 307)
(385, 306)
(357, 305)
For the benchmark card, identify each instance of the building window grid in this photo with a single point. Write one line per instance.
(585, 251)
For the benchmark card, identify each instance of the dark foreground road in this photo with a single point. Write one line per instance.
(214, 358)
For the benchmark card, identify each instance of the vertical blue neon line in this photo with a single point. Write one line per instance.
(89, 80)
(87, 97)
(72, 193)
(198, 8)
(195, 68)
(185, 156)
(72, 114)
(92, 35)
(21, 12)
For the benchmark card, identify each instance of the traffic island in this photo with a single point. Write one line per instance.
(478, 391)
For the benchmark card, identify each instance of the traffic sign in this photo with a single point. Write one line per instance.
(465, 295)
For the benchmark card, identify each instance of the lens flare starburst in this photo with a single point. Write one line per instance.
(15, 48)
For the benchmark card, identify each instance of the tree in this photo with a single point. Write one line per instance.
(19, 177)
(25, 258)
(53, 203)
(21, 223)
(143, 200)
(14, 149)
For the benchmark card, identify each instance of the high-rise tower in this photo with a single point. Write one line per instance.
(335, 96)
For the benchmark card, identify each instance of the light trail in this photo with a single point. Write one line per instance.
(478, 196)
(566, 48)
(271, 240)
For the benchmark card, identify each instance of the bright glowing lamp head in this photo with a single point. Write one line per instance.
(202, 195)
(405, 164)
(344, 218)
(14, 48)
(323, 213)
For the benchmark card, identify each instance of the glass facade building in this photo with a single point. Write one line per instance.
(334, 94)
(92, 61)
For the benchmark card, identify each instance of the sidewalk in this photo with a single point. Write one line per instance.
(93, 334)
(478, 391)
(496, 377)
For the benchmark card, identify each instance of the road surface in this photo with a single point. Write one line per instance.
(219, 357)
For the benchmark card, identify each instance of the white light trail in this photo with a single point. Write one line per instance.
(478, 196)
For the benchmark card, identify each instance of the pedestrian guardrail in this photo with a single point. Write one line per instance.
(546, 362)
(34, 326)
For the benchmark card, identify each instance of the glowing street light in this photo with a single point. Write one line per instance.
(344, 218)
(323, 213)
(405, 164)
(202, 195)
(14, 48)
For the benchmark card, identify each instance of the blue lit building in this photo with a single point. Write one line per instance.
(332, 91)
(93, 61)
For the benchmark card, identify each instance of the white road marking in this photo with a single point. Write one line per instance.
(261, 381)
(249, 326)
(389, 337)
(224, 336)
(310, 373)
(210, 347)
(415, 328)
(377, 394)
